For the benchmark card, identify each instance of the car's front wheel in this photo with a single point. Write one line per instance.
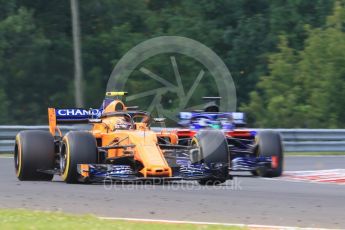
(269, 144)
(78, 147)
(214, 152)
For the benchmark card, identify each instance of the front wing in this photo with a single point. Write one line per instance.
(124, 173)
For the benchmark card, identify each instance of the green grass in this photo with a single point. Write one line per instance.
(314, 153)
(27, 219)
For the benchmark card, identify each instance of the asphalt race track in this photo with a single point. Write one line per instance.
(244, 200)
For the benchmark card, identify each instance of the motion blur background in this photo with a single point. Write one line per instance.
(287, 57)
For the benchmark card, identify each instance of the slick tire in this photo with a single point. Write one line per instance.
(270, 145)
(34, 151)
(77, 147)
(214, 152)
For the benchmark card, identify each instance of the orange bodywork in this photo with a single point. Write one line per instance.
(52, 121)
(138, 141)
(84, 168)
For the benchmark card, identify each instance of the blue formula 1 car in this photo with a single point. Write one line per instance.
(260, 153)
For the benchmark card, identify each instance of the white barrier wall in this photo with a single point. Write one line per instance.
(295, 140)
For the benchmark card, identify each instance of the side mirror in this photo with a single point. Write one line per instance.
(132, 108)
(159, 119)
(95, 120)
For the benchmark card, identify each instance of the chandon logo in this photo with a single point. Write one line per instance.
(78, 112)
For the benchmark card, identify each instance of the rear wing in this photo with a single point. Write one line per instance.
(59, 116)
(239, 118)
(78, 115)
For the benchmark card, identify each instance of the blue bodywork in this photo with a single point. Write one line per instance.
(201, 120)
(77, 115)
(81, 115)
(186, 171)
(242, 149)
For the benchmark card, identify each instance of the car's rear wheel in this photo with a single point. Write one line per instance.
(269, 144)
(34, 152)
(214, 152)
(78, 147)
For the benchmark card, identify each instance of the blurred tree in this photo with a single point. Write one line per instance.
(322, 72)
(274, 104)
(255, 34)
(3, 107)
(23, 58)
(109, 29)
(306, 88)
(36, 57)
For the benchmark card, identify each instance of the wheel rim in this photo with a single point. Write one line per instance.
(16, 158)
(195, 152)
(63, 159)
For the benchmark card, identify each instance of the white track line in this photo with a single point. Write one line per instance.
(254, 226)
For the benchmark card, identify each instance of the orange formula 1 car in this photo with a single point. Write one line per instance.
(120, 147)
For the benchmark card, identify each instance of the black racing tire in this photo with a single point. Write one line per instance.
(34, 150)
(269, 143)
(213, 150)
(78, 147)
(255, 173)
